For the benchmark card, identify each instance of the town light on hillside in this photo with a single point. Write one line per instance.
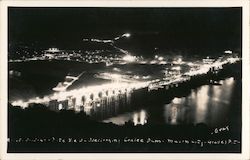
(129, 58)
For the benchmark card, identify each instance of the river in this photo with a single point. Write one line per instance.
(209, 104)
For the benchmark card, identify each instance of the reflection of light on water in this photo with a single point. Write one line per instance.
(223, 93)
(216, 93)
(171, 111)
(137, 118)
(193, 95)
(206, 104)
(229, 81)
(227, 89)
(220, 101)
(143, 117)
(202, 103)
(174, 115)
(140, 118)
(213, 104)
(200, 106)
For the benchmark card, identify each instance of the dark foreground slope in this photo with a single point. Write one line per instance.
(38, 129)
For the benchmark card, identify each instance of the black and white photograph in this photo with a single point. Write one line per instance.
(95, 79)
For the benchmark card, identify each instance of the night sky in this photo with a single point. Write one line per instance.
(195, 29)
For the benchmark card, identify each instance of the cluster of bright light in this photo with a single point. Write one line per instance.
(145, 77)
(126, 35)
(157, 60)
(116, 77)
(55, 53)
(53, 50)
(233, 60)
(177, 68)
(102, 41)
(176, 100)
(162, 62)
(20, 103)
(206, 67)
(129, 58)
(202, 70)
(174, 81)
(178, 61)
(190, 64)
(90, 57)
(160, 58)
(153, 62)
(228, 51)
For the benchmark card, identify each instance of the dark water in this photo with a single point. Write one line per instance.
(210, 104)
